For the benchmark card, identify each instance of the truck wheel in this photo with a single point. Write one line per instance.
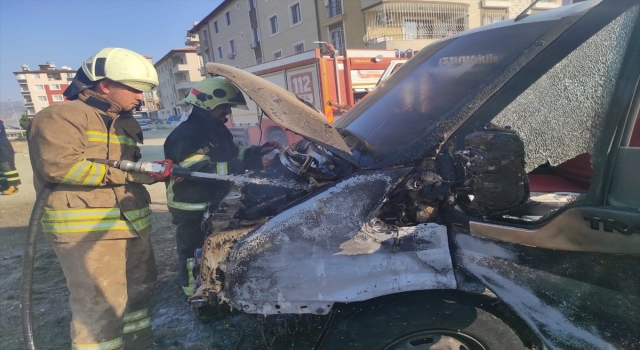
(418, 321)
(278, 135)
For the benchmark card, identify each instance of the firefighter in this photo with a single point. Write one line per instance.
(9, 178)
(203, 143)
(98, 218)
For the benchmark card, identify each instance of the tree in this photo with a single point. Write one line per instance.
(24, 120)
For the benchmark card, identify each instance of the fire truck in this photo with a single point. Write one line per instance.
(326, 81)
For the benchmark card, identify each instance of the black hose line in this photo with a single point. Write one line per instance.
(28, 260)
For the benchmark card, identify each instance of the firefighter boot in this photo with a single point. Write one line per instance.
(10, 190)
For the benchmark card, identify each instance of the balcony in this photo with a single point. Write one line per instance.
(179, 68)
(413, 21)
(255, 44)
(547, 4)
(231, 55)
(334, 9)
(192, 40)
(184, 85)
(203, 71)
(496, 4)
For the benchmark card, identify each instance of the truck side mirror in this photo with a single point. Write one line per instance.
(495, 180)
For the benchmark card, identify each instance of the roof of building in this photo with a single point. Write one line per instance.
(170, 53)
(206, 19)
(46, 71)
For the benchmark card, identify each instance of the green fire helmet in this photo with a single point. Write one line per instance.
(209, 93)
(117, 64)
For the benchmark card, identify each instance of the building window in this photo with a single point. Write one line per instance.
(259, 60)
(151, 105)
(232, 46)
(38, 87)
(273, 25)
(57, 98)
(334, 7)
(336, 36)
(54, 86)
(53, 76)
(219, 48)
(298, 48)
(277, 54)
(42, 98)
(208, 55)
(71, 75)
(204, 38)
(227, 16)
(21, 76)
(148, 94)
(252, 4)
(35, 76)
(490, 18)
(294, 10)
(215, 27)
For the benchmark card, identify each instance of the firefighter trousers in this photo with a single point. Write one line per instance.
(110, 283)
(189, 237)
(8, 173)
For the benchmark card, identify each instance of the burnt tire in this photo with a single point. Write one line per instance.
(418, 321)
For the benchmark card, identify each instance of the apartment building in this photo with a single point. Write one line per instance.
(43, 87)
(178, 71)
(384, 24)
(242, 33)
(149, 107)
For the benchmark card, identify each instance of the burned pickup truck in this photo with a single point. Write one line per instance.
(485, 196)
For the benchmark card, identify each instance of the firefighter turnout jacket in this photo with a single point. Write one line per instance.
(91, 201)
(204, 144)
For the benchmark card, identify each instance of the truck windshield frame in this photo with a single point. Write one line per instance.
(411, 112)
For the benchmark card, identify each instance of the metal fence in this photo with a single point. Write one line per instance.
(410, 21)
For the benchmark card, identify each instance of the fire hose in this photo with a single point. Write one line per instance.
(162, 169)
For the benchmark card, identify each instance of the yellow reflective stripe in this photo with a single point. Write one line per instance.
(94, 219)
(221, 168)
(85, 173)
(11, 172)
(141, 223)
(76, 172)
(13, 178)
(179, 205)
(188, 290)
(86, 226)
(136, 326)
(81, 214)
(123, 140)
(97, 173)
(108, 345)
(137, 213)
(136, 315)
(98, 136)
(196, 158)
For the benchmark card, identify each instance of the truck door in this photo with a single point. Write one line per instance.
(568, 261)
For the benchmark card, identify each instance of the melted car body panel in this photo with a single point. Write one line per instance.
(328, 249)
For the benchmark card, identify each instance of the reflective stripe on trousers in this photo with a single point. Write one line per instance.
(94, 219)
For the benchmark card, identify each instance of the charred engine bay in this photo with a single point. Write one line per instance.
(483, 177)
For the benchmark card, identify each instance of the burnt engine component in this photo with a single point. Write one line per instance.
(495, 180)
(315, 163)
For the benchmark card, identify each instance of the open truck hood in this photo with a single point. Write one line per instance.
(284, 109)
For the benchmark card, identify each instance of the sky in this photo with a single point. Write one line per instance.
(67, 32)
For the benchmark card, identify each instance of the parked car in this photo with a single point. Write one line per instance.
(145, 126)
(449, 207)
